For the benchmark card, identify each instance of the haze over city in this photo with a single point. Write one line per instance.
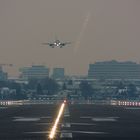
(98, 29)
(70, 69)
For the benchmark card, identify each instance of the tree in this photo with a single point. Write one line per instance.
(50, 85)
(3, 84)
(120, 85)
(70, 82)
(64, 87)
(86, 89)
(17, 87)
(33, 83)
(132, 91)
(39, 89)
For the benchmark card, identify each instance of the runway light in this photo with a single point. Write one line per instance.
(125, 103)
(118, 103)
(133, 103)
(53, 130)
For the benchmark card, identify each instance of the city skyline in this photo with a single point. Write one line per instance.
(99, 31)
(51, 70)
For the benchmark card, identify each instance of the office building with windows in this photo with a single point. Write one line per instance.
(114, 70)
(34, 72)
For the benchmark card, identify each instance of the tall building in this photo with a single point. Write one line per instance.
(114, 70)
(36, 71)
(3, 75)
(58, 73)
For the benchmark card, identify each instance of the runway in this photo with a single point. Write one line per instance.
(78, 122)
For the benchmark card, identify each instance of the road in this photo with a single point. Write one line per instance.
(79, 122)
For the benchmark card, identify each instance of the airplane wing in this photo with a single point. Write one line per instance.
(46, 43)
(63, 44)
(67, 43)
(49, 44)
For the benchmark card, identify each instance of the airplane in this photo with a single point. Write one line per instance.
(57, 43)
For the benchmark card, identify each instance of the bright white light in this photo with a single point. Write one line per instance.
(53, 130)
(125, 103)
(119, 103)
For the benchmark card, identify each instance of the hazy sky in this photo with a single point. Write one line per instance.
(98, 29)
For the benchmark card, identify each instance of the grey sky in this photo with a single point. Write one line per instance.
(112, 32)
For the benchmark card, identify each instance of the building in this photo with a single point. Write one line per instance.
(114, 70)
(34, 72)
(3, 75)
(58, 73)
